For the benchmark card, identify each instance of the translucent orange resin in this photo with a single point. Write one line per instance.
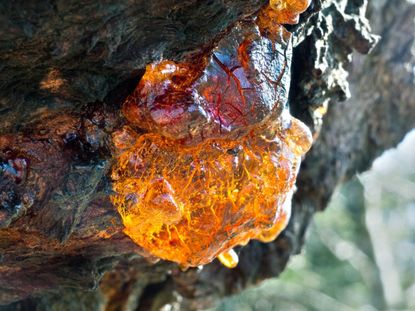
(189, 204)
(288, 11)
(218, 162)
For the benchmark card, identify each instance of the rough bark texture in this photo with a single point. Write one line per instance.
(65, 68)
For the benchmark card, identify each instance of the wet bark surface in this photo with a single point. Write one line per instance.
(65, 68)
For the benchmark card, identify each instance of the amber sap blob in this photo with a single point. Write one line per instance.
(190, 204)
(219, 159)
(243, 83)
(288, 11)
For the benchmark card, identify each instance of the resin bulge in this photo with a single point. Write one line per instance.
(239, 86)
(288, 11)
(217, 163)
(189, 204)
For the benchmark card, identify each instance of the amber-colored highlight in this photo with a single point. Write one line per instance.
(189, 204)
(192, 202)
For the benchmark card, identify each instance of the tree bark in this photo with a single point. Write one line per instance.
(65, 68)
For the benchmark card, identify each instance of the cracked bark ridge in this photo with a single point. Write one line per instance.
(58, 61)
(74, 53)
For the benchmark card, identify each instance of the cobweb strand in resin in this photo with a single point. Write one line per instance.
(218, 162)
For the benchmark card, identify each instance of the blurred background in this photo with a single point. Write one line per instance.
(359, 253)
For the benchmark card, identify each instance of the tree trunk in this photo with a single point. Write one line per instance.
(65, 69)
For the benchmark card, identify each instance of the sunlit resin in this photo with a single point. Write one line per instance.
(218, 163)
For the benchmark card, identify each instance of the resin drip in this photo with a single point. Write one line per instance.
(218, 163)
